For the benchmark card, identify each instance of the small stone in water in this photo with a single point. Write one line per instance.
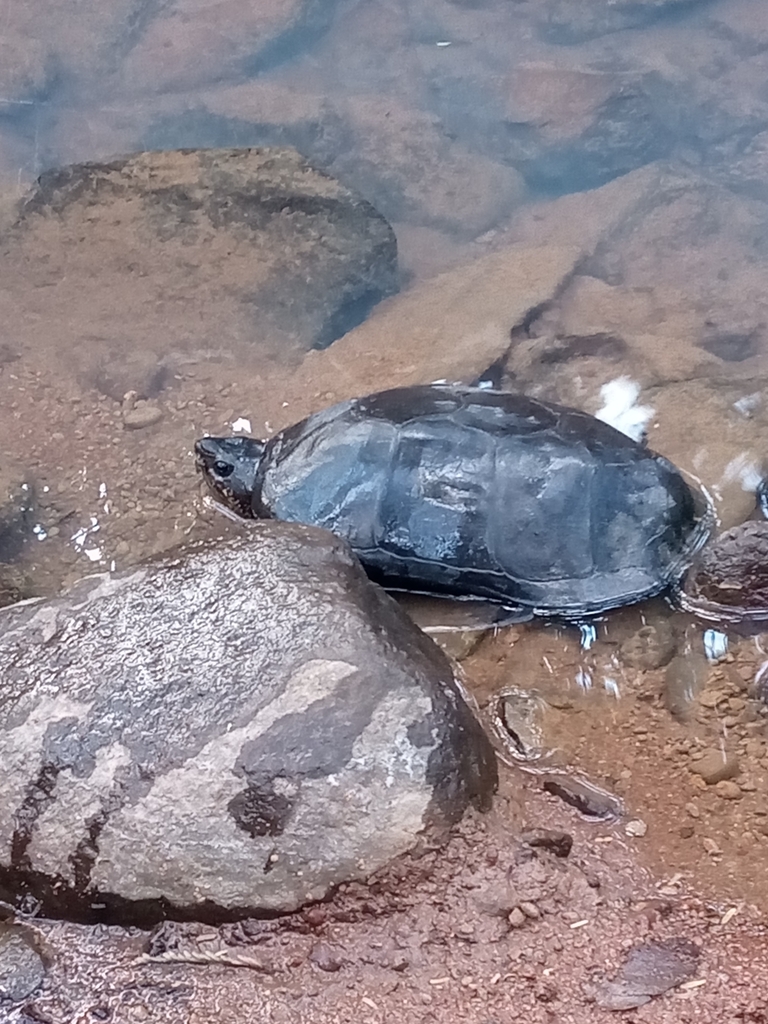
(636, 828)
(558, 843)
(714, 766)
(143, 415)
(652, 646)
(727, 790)
(587, 798)
(530, 910)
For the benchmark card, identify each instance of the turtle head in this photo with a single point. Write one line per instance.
(229, 466)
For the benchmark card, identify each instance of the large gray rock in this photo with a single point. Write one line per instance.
(237, 728)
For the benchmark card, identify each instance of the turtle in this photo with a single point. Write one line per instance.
(469, 492)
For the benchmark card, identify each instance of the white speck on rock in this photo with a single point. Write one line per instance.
(745, 470)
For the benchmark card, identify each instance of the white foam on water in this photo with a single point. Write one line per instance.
(619, 409)
(744, 469)
(612, 687)
(588, 636)
(715, 644)
(584, 679)
(80, 537)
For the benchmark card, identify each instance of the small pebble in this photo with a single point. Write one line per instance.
(143, 415)
(728, 790)
(711, 698)
(692, 810)
(558, 843)
(516, 918)
(635, 828)
(530, 910)
(651, 647)
(713, 766)
(129, 401)
(326, 958)
(589, 799)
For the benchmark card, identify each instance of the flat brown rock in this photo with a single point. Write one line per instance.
(451, 327)
(158, 258)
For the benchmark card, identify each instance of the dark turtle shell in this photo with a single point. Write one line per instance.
(473, 492)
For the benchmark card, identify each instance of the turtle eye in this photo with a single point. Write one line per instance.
(221, 468)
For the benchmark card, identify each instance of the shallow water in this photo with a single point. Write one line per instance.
(637, 133)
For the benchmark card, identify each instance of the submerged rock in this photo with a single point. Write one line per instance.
(589, 799)
(651, 646)
(187, 44)
(235, 729)
(568, 130)
(451, 327)
(414, 170)
(729, 579)
(573, 21)
(250, 252)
